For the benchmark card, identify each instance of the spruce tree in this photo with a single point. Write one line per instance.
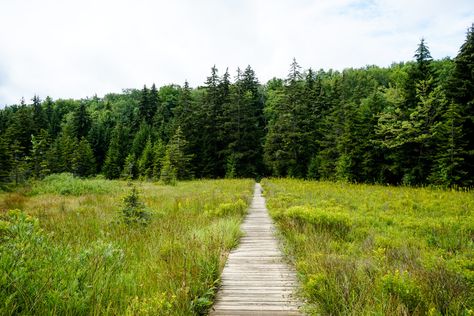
(461, 93)
(145, 163)
(80, 122)
(115, 154)
(40, 120)
(39, 148)
(209, 165)
(144, 107)
(159, 151)
(176, 160)
(5, 162)
(83, 163)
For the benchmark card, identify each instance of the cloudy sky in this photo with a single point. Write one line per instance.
(78, 48)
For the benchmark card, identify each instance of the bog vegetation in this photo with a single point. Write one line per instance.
(377, 250)
(89, 247)
(410, 123)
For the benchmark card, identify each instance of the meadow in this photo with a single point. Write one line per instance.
(87, 247)
(377, 250)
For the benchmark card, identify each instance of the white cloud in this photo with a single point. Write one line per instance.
(66, 48)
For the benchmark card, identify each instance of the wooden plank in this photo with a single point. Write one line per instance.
(256, 280)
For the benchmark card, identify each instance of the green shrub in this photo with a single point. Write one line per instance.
(341, 287)
(330, 219)
(402, 287)
(38, 277)
(233, 208)
(67, 184)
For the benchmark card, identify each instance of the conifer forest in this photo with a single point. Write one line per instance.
(410, 123)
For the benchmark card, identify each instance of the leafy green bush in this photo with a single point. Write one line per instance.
(401, 286)
(37, 277)
(67, 184)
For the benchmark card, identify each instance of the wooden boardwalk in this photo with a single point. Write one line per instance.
(256, 280)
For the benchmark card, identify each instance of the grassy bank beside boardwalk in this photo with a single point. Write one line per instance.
(377, 250)
(65, 249)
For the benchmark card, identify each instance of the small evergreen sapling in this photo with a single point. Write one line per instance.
(134, 211)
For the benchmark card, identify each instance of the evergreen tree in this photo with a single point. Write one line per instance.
(448, 161)
(83, 163)
(420, 71)
(159, 151)
(144, 108)
(20, 129)
(163, 119)
(130, 168)
(40, 120)
(289, 133)
(145, 164)
(140, 139)
(423, 60)
(80, 122)
(153, 104)
(244, 127)
(5, 162)
(115, 154)
(19, 167)
(176, 160)
(209, 165)
(39, 163)
(461, 93)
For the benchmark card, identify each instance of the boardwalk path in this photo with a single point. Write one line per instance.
(256, 280)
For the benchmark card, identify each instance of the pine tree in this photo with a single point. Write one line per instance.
(5, 162)
(39, 148)
(182, 113)
(130, 168)
(144, 108)
(163, 119)
(461, 93)
(420, 71)
(209, 165)
(153, 104)
(140, 139)
(19, 167)
(289, 132)
(20, 129)
(244, 127)
(40, 120)
(145, 163)
(80, 122)
(423, 60)
(159, 151)
(115, 154)
(448, 161)
(176, 160)
(83, 163)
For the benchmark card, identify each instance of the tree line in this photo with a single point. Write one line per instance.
(411, 123)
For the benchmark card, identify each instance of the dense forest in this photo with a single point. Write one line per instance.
(411, 123)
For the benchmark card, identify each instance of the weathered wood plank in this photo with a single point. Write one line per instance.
(256, 280)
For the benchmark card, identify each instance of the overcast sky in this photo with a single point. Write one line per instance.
(66, 48)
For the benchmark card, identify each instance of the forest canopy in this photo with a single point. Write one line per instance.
(410, 123)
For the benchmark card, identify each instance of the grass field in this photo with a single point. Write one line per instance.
(377, 250)
(71, 253)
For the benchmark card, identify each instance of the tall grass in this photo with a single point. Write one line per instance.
(71, 254)
(365, 249)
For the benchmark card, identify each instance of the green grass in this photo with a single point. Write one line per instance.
(70, 253)
(377, 250)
